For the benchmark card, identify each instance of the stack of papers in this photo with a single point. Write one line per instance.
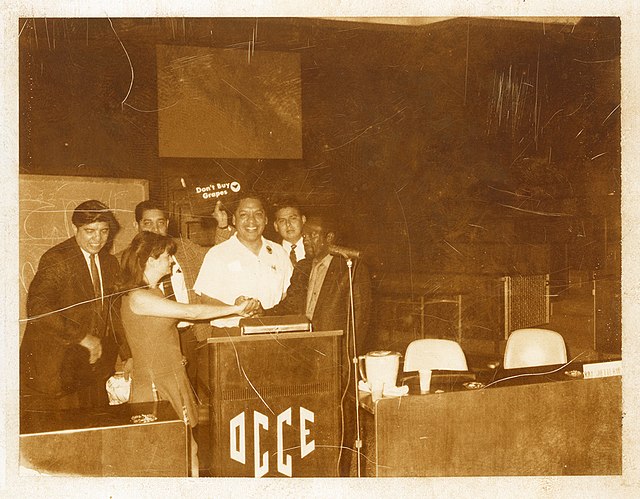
(388, 391)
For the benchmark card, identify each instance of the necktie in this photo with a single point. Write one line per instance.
(167, 288)
(292, 255)
(95, 277)
(97, 323)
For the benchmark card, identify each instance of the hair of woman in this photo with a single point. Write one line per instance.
(134, 258)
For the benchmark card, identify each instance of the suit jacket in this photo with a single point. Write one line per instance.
(332, 310)
(61, 311)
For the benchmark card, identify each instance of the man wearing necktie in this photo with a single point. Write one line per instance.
(288, 223)
(68, 350)
(319, 286)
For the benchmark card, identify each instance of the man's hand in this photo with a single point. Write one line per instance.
(220, 215)
(127, 368)
(258, 312)
(94, 346)
(251, 306)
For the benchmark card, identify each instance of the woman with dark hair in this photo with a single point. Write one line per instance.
(150, 320)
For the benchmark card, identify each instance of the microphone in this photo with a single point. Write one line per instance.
(344, 252)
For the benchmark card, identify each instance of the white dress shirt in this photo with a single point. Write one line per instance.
(299, 251)
(230, 270)
(179, 287)
(316, 279)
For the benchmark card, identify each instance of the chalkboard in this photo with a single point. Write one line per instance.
(46, 205)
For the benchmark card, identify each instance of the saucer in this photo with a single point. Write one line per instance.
(473, 385)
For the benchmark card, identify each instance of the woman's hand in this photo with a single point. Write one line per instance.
(94, 346)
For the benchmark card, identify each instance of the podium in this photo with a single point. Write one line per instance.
(270, 404)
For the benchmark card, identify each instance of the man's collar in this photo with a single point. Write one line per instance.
(86, 254)
(325, 259)
(297, 243)
(263, 243)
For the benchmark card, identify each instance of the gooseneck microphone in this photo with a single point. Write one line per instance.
(344, 252)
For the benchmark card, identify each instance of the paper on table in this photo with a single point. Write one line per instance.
(118, 389)
(391, 391)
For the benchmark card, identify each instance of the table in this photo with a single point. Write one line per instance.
(105, 442)
(554, 427)
(271, 404)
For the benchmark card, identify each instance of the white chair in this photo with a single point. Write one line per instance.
(434, 354)
(534, 347)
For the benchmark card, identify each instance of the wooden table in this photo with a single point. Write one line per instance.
(568, 427)
(105, 442)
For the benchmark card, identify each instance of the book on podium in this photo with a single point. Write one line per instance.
(275, 324)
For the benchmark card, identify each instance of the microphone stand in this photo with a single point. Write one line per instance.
(358, 442)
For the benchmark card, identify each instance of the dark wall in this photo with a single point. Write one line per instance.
(465, 146)
(76, 102)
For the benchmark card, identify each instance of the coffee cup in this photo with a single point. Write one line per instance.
(425, 380)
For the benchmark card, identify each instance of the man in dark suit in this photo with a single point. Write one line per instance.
(319, 286)
(68, 350)
(320, 289)
(288, 222)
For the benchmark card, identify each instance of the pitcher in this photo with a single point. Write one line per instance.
(379, 369)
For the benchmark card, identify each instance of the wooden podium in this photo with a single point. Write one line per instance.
(271, 404)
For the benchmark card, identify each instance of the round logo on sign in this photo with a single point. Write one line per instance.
(235, 186)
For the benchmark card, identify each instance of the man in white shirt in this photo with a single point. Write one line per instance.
(288, 224)
(246, 265)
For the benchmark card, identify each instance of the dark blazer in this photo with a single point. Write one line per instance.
(332, 312)
(333, 306)
(61, 310)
